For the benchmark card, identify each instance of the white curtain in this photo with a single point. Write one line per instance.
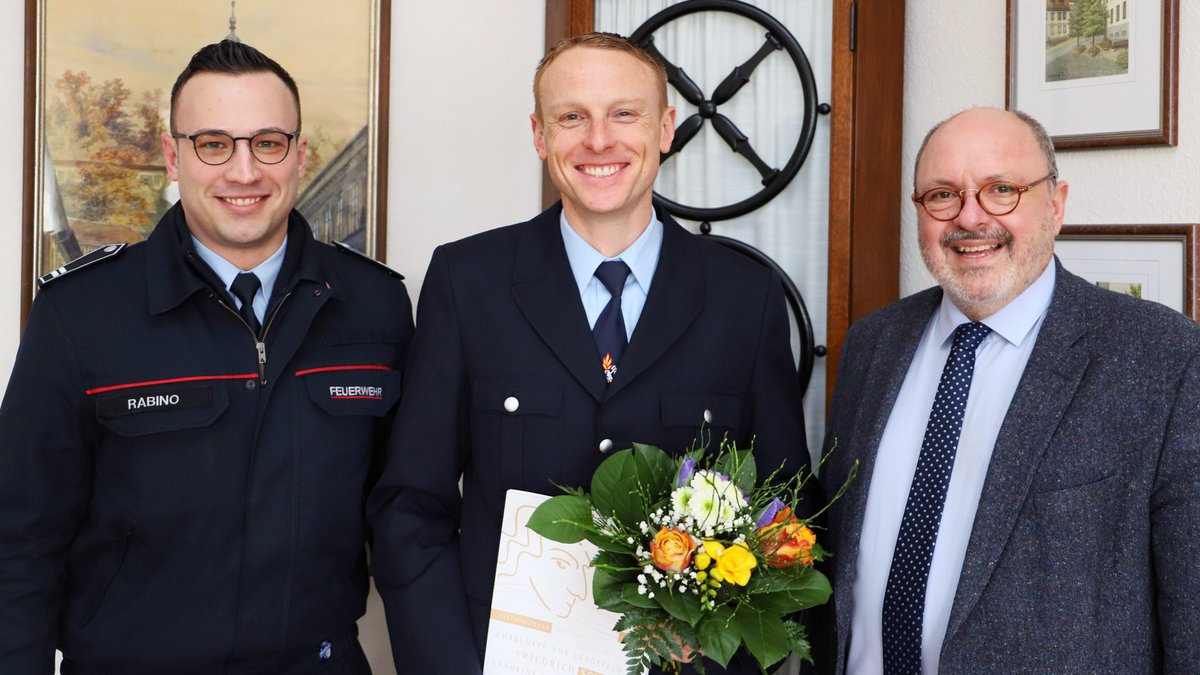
(793, 228)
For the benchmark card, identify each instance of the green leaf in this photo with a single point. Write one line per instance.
(682, 606)
(612, 575)
(611, 486)
(717, 641)
(764, 633)
(739, 466)
(656, 470)
(792, 590)
(566, 519)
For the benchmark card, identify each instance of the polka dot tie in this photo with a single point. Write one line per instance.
(904, 600)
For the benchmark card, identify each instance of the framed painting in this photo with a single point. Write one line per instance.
(1151, 262)
(1096, 73)
(98, 82)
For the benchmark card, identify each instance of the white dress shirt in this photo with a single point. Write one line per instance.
(267, 272)
(642, 258)
(999, 363)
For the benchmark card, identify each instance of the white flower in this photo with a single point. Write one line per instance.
(679, 501)
(711, 500)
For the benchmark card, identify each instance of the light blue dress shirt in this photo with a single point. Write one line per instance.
(267, 272)
(999, 363)
(642, 258)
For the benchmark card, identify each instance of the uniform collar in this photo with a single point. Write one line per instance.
(175, 270)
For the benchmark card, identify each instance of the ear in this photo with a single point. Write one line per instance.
(1058, 201)
(302, 154)
(668, 129)
(539, 136)
(171, 155)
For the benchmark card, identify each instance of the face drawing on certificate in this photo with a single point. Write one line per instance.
(558, 578)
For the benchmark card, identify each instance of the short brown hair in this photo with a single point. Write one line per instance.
(228, 57)
(598, 41)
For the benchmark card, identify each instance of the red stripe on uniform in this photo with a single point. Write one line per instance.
(173, 380)
(343, 398)
(327, 369)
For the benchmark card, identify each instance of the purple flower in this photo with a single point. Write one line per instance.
(686, 469)
(768, 514)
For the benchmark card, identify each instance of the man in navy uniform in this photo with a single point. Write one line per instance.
(192, 423)
(520, 374)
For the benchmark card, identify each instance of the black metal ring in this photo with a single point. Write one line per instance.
(808, 350)
(807, 81)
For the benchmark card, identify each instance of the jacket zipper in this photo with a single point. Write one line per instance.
(260, 345)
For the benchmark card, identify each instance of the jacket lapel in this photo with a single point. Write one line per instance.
(676, 297)
(1047, 387)
(543, 288)
(890, 355)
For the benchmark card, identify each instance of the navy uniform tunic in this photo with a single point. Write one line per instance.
(177, 495)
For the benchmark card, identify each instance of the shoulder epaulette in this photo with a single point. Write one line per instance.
(346, 248)
(102, 253)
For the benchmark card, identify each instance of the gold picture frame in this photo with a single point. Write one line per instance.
(97, 84)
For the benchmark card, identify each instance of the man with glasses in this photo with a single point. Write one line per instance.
(193, 422)
(1029, 498)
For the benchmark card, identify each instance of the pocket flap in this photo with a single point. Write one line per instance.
(517, 396)
(152, 409)
(691, 409)
(353, 390)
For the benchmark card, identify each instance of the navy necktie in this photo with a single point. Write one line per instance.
(609, 331)
(244, 287)
(904, 599)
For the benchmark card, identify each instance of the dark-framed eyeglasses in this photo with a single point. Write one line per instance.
(998, 198)
(216, 147)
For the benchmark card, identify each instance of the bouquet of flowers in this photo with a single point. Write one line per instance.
(696, 556)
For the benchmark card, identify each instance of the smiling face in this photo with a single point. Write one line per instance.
(983, 261)
(600, 127)
(238, 209)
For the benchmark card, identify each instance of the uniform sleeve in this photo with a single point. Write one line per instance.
(416, 507)
(1175, 529)
(46, 444)
(778, 422)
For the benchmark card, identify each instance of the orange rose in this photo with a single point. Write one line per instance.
(786, 541)
(672, 550)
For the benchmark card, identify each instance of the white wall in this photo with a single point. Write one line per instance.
(954, 57)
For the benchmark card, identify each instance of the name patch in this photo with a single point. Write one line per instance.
(355, 391)
(131, 404)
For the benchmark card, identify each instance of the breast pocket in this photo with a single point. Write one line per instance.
(710, 409)
(158, 408)
(520, 418)
(352, 389)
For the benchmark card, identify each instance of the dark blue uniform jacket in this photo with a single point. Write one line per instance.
(172, 503)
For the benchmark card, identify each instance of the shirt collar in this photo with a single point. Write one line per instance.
(1014, 322)
(641, 256)
(267, 271)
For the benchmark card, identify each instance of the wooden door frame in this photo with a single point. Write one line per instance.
(866, 129)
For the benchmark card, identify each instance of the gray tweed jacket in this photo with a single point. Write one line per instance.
(1085, 553)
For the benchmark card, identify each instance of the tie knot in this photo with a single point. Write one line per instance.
(244, 286)
(969, 335)
(612, 274)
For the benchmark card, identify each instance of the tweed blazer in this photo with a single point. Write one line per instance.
(1085, 551)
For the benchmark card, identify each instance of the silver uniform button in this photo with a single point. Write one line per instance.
(708, 417)
(606, 445)
(511, 404)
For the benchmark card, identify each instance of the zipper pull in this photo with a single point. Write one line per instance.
(262, 361)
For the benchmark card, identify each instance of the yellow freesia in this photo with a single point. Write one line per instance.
(735, 563)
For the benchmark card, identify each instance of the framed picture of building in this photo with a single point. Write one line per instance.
(1149, 262)
(98, 82)
(1096, 72)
